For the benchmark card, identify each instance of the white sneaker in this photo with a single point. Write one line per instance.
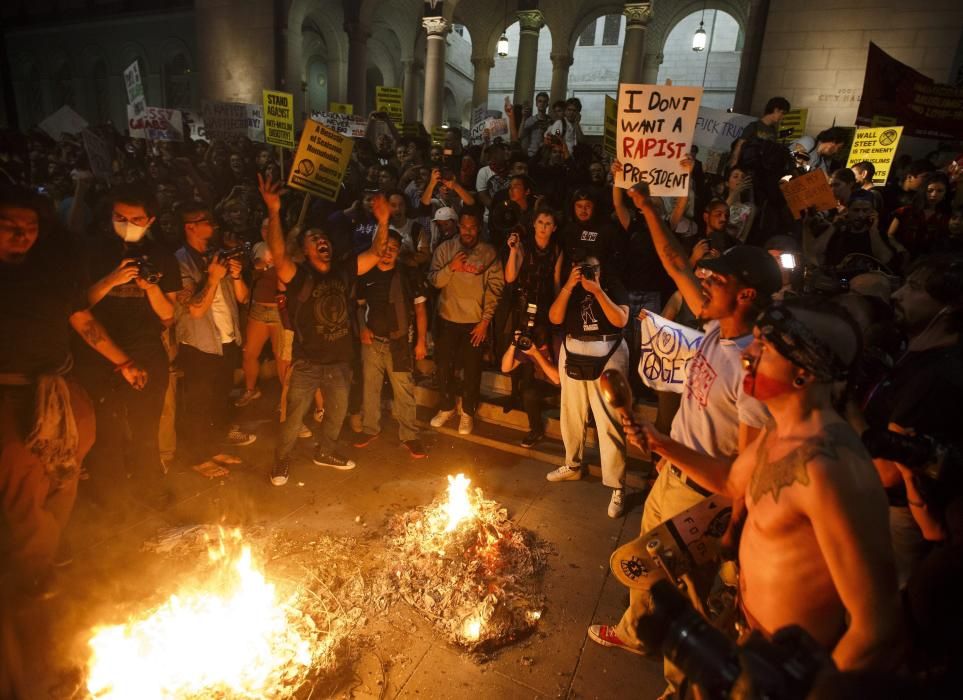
(566, 472)
(441, 418)
(465, 424)
(617, 503)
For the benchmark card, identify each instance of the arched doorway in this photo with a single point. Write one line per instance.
(317, 88)
(716, 68)
(596, 61)
(501, 84)
(177, 82)
(373, 78)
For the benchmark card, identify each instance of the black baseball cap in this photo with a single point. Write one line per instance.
(753, 266)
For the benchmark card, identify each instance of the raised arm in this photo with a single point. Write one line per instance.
(618, 199)
(673, 258)
(271, 194)
(370, 257)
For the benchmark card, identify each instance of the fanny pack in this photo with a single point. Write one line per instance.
(587, 368)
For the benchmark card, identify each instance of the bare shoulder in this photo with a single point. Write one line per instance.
(841, 461)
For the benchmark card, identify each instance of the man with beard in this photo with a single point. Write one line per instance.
(716, 418)
(814, 550)
(133, 297)
(921, 393)
(586, 234)
(46, 418)
(320, 296)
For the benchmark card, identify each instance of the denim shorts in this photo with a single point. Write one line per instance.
(265, 313)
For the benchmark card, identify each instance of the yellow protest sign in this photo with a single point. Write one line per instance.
(880, 120)
(321, 161)
(608, 135)
(390, 101)
(411, 130)
(796, 121)
(878, 146)
(341, 108)
(279, 118)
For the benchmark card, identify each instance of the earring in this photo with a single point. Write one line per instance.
(799, 381)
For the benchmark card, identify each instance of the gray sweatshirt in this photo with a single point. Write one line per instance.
(467, 297)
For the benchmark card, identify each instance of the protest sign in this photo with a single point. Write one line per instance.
(608, 131)
(667, 348)
(924, 108)
(878, 146)
(390, 101)
(156, 124)
(63, 121)
(794, 121)
(231, 119)
(279, 118)
(321, 161)
(716, 129)
(135, 88)
(809, 190)
(341, 108)
(193, 125)
(98, 154)
(344, 124)
(411, 130)
(654, 134)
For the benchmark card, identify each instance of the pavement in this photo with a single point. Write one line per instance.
(110, 570)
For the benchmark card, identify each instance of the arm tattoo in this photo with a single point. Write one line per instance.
(92, 332)
(772, 476)
(673, 257)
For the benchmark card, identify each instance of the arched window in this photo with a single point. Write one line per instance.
(177, 83)
(62, 87)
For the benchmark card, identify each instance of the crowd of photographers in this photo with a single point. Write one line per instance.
(193, 264)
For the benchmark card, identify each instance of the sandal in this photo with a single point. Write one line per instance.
(211, 470)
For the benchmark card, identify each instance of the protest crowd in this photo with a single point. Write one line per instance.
(146, 311)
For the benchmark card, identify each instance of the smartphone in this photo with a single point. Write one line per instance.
(787, 261)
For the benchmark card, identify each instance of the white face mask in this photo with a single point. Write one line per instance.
(131, 233)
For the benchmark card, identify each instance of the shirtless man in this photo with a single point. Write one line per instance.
(815, 549)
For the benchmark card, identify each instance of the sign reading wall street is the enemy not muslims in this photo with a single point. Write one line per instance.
(654, 135)
(321, 161)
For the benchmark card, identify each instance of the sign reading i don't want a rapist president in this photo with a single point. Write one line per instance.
(320, 161)
(654, 135)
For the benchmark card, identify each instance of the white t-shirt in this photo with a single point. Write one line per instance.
(222, 317)
(713, 401)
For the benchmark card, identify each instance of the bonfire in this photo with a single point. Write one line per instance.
(230, 636)
(468, 569)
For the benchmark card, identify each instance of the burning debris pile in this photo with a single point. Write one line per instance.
(467, 568)
(231, 634)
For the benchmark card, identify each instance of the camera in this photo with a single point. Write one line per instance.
(147, 271)
(238, 252)
(504, 215)
(824, 282)
(525, 337)
(785, 667)
(588, 271)
(921, 453)
(446, 174)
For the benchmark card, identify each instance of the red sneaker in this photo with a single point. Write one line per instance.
(606, 636)
(363, 439)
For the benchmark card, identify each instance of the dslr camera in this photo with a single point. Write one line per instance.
(784, 667)
(238, 252)
(588, 271)
(924, 456)
(147, 271)
(525, 336)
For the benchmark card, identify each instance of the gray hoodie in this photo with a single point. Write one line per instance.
(467, 297)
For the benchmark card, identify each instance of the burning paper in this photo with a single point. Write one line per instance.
(468, 568)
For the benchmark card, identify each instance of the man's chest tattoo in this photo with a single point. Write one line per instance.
(772, 476)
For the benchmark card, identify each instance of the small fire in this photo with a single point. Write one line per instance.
(472, 628)
(233, 637)
(459, 507)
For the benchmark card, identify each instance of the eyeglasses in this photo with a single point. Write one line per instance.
(135, 220)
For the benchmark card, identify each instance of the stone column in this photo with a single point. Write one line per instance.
(561, 62)
(751, 52)
(357, 65)
(410, 86)
(483, 71)
(229, 69)
(650, 68)
(437, 28)
(637, 17)
(530, 24)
